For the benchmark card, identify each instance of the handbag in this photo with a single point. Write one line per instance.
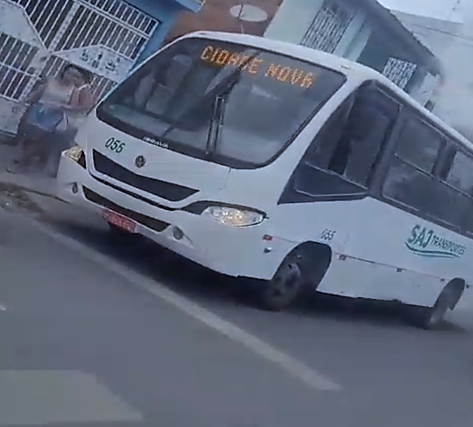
(46, 118)
(64, 124)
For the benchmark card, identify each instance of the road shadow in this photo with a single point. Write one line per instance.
(207, 287)
(384, 313)
(150, 259)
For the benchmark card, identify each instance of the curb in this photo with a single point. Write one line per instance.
(7, 142)
(7, 139)
(30, 190)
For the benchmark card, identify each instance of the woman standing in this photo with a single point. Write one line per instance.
(47, 114)
(75, 115)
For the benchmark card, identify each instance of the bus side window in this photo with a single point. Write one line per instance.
(368, 129)
(410, 179)
(458, 179)
(351, 141)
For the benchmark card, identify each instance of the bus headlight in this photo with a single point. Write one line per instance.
(233, 217)
(74, 153)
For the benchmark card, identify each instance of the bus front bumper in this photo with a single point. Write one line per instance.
(238, 252)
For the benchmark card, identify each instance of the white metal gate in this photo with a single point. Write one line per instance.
(329, 25)
(38, 37)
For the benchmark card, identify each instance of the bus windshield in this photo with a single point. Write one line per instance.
(232, 104)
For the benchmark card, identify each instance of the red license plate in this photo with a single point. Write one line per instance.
(120, 221)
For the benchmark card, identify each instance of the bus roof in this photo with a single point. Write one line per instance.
(345, 66)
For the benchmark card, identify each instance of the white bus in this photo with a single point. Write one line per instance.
(277, 163)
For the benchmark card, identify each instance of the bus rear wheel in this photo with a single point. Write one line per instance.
(431, 318)
(283, 289)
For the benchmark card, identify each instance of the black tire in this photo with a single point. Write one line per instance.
(431, 318)
(284, 289)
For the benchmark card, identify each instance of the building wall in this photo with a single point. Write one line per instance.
(364, 40)
(167, 12)
(436, 34)
(292, 20)
(455, 103)
(294, 17)
(452, 42)
(215, 16)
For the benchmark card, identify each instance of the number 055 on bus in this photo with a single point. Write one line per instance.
(291, 167)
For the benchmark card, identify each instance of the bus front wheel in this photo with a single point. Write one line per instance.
(284, 288)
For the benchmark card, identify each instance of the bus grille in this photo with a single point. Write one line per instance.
(153, 224)
(165, 190)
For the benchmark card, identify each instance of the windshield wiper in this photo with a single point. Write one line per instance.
(216, 123)
(224, 87)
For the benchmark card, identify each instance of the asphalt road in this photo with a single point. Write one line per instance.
(130, 335)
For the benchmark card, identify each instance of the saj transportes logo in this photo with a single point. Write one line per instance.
(424, 242)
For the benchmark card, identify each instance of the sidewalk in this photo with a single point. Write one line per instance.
(34, 183)
(5, 138)
(31, 183)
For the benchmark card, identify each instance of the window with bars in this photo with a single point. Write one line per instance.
(328, 27)
(399, 71)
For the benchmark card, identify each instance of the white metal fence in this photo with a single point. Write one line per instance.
(38, 37)
(15, 66)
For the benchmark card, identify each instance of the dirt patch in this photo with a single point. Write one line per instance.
(14, 198)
